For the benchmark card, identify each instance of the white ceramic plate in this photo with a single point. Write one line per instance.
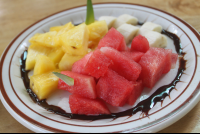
(181, 101)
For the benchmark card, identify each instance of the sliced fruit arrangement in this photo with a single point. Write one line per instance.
(63, 28)
(41, 65)
(128, 31)
(140, 44)
(120, 76)
(152, 26)
(84, 85)
(59, 49)
(114, 88)
(113, 39)
(109, 20)
(155, 39)
(126, 25)
(97, 30)
(153, 63)
(96, 56)
(75, 41)
(127, 68)
(65, 42)
(33, 51)
(136, 92)
(84, 106)
(43, 85)
(125, 18)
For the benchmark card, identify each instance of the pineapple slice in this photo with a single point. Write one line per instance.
(55, 28)
(67, 61)
(44, 85)
(65, 28)
(43, 64)
(75, 41)
(33, 51)
(56, 55)
(59, 28)
(97, 31)
(49, 39)
(92, 45)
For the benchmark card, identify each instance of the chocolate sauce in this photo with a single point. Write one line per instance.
(173, 37)
(144, 106)
(140, 23)
(176, 41)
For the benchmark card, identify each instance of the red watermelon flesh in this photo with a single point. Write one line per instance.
(113, 39)
(136, 56)
(97, 65)
(78, 67)
(168, 62)
(140, 43)
(128, 49)
(84, 106)
(153, 64)
(114, 89)
(124, 66)
(83, 85)
(136, 93)
(174, 59)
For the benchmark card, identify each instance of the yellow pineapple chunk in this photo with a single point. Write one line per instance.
(56, 55)
(33, 51)
(43, 65)
(97, 31)
(75, 41)
(65, 28)
(58, 28)
(49, 39)
(92, 45)
(44, 85)
(67, 61)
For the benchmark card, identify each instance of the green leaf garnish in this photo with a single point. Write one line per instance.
(90, 13)
(68, 80)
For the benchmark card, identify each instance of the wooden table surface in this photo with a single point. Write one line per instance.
(16, 15)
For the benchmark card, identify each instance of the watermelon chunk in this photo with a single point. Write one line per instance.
(97, 64)
(113, 39)
(140, 43)
(78, 67)
(153, 64)
(114, 89)
(136, 56)
(136, 93)
(168, 62)
(174, 59)
(84, 106)
(124, 66)
(83, 85)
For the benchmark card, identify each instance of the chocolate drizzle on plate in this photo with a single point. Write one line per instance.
(144, 106)
(176, 41)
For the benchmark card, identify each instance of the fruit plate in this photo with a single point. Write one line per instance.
(181, 100)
